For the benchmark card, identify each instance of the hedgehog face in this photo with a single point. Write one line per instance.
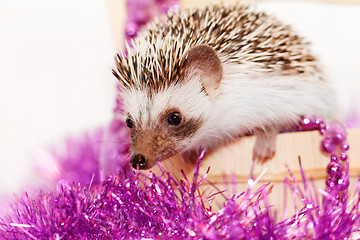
(164, 124)
(166, 120)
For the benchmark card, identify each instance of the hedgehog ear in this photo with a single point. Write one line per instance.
(204, 61)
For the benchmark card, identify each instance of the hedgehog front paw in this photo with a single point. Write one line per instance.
(265, 145)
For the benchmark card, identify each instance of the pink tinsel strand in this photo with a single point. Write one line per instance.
(333, 220)
(140, 12)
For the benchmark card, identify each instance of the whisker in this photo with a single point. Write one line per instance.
(125, 160)
(174, 165)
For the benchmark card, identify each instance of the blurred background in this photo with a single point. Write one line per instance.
(55, 79)
(56, 59)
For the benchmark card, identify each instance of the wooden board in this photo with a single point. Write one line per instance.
(236, 157)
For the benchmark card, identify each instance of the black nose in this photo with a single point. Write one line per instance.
(138, 161)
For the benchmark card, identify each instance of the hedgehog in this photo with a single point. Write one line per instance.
(202, 77)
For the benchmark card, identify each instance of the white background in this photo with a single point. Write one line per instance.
(55, 78)
(55, 69)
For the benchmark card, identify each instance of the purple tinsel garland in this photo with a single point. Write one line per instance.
(138, 206)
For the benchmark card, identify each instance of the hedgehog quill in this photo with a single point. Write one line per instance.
(205, 76)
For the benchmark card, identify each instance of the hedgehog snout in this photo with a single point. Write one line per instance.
(138, 161)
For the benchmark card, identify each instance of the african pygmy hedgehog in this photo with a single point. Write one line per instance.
(204, 76)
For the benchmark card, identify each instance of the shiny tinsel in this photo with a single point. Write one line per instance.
(138, 206)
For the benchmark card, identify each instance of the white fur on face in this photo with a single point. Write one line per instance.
(187, 98)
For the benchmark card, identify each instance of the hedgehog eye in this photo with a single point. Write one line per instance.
(129, 123)
(174, 118)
